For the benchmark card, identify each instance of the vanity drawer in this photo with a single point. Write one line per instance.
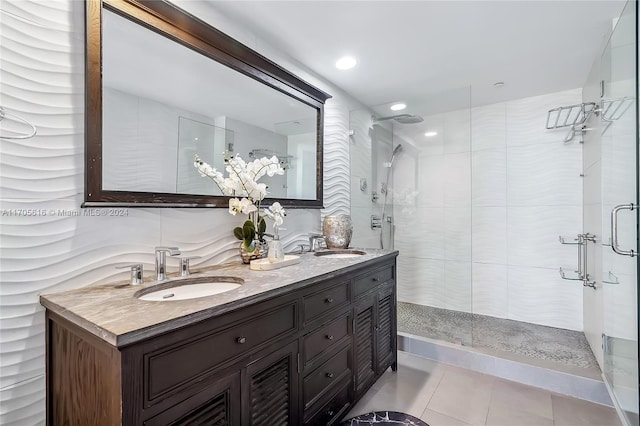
(333, 410)
(326, 336)
(334, 370)
(330, 298)
(170, 369)
(369, 281)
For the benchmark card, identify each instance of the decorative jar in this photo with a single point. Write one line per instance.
(337, 231)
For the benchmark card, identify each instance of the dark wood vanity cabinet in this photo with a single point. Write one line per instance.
(304, 357)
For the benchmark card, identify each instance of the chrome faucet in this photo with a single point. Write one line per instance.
(161, 261)
(315, 242)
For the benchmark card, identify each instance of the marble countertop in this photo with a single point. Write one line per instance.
(114, 314)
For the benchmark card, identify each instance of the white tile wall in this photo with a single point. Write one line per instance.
(489, 177)
(489, 235)
(507, 196)
(540, 296)
(490, 290)
(489, 127)
(422, 281)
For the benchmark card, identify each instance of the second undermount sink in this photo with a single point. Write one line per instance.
(189, 288)
(340, 253)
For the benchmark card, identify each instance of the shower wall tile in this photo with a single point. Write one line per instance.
(540, 296)
(360, 198)
(457, 233)
(489, 177)
(592, 184)
(457, 131)
(527, 118)
(457, 285)
(532, 235)
(620, 315)
(431, 184)
(363, 235)
(423, 234)
(489, 127)
(489, 285)
(457, 179)
(544, 174)
(421, 281)
(489, 235)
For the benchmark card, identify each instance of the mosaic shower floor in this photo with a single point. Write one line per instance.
(565, 349)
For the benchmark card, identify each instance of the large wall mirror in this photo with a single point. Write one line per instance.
(163, 86)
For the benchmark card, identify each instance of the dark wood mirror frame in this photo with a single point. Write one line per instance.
(178, 25)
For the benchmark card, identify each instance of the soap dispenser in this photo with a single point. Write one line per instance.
(276, 253)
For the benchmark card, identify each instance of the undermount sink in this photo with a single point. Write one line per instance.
(340, 254)
(189, 288)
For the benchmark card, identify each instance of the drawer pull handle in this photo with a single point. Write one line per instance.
(375, 279)
(330, 413)
(330, 375)
(328, 300)
(241, 340)
(330, 336)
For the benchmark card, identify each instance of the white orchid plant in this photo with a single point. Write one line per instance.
(276, 213)
(242, 181)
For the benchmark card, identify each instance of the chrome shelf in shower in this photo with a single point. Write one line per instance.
(572, 116)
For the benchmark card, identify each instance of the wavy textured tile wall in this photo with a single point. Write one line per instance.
(336, 158)
(64, 247)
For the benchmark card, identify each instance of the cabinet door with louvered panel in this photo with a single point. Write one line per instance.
(364, 343)
(386, 333)
(216, 405)
(270, 389)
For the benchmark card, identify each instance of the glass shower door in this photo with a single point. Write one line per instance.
(620, 213)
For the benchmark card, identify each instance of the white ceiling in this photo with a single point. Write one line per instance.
(411, 50)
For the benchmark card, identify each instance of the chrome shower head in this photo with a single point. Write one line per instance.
(395, 152)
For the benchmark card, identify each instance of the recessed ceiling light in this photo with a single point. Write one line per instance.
(346, 63)
(430, 134)
(398, 107)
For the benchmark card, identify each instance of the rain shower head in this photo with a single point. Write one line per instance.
(401, 118)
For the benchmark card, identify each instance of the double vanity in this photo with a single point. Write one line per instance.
(292, 346)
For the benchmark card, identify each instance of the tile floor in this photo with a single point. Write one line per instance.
(444, 395)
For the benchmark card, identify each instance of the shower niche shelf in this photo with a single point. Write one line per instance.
(572, 116)
(575, 116)
(581, 241)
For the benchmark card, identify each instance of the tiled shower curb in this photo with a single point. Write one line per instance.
(461, 356)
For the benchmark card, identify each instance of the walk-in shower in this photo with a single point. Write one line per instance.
(478, 197)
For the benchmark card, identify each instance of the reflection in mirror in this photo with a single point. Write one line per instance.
(154, 120)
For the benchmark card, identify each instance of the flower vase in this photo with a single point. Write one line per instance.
(259, 251)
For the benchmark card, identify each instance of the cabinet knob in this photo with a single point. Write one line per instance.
(374, 279)
(330, 336)
(330, 375)
(241, 340)
(330, 413)
(328, 300)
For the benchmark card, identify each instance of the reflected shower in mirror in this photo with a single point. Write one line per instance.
(171, 89)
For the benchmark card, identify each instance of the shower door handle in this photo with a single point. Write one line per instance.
(614, 229)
